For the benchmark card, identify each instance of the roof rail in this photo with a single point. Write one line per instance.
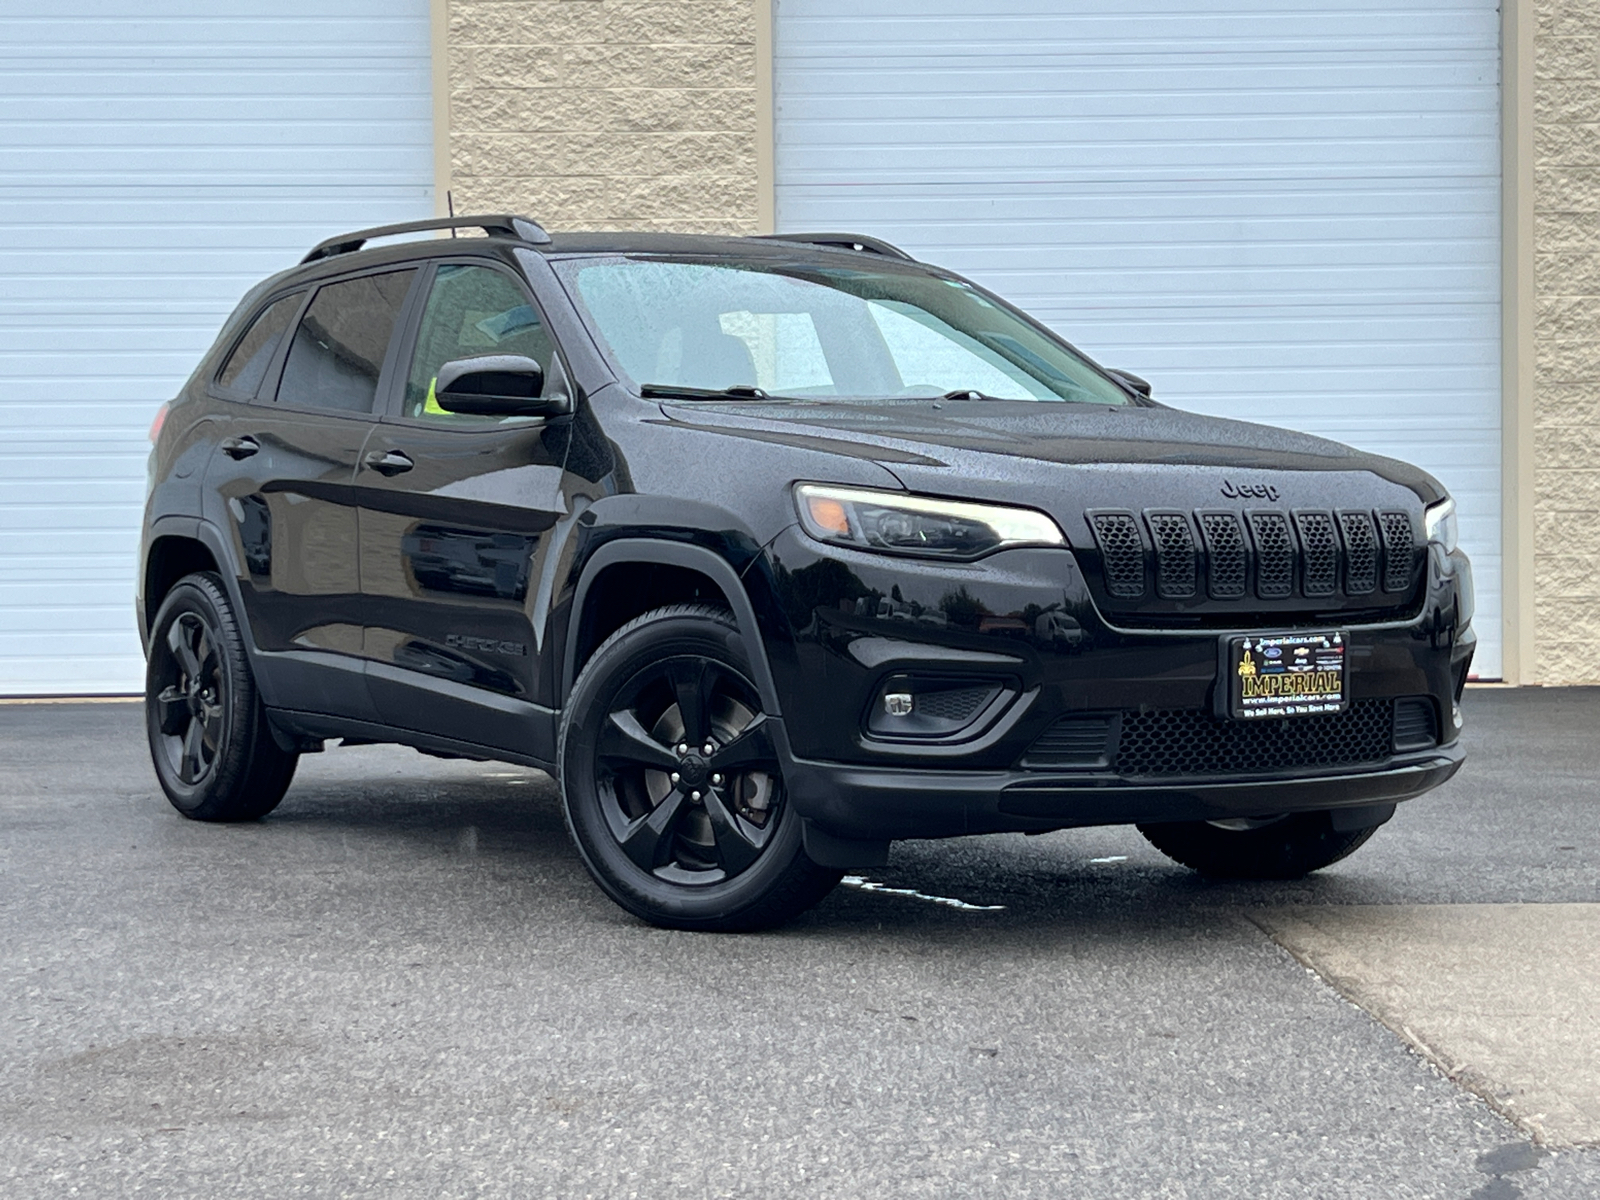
(842, 241)
(498, 225)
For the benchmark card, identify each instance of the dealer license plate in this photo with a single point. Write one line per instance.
(1287, 675)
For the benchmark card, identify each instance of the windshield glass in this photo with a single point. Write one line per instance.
(800, 329)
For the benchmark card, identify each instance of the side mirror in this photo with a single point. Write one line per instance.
(495, 385)
(1141, 386)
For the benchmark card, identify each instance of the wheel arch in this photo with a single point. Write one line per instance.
(179, 546)
(620, 561)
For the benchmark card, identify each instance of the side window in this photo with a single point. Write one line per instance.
(471, 310)
(247, 365)
(338, 351)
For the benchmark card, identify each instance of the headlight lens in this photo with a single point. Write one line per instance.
(895, 523)
(1440, 522)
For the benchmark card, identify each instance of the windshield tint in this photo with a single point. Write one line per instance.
(819, 331)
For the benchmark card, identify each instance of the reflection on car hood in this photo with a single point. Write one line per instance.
(993, 448)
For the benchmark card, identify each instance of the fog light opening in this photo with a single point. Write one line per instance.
(898, 704)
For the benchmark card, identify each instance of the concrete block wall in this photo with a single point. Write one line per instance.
(605, 114)
(1567, 342)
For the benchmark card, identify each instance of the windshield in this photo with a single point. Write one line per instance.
(804, 330)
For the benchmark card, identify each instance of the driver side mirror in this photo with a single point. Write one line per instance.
(496, 385)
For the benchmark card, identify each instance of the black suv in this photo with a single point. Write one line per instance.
(772, 551)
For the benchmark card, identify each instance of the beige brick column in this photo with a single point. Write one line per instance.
(606, 114)
(1567, 342)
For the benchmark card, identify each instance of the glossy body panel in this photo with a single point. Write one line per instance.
(452, 604)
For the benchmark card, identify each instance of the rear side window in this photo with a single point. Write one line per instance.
(247, 365)
(338, 350)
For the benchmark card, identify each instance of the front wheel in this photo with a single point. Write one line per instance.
(1284, 847)
(671, 781)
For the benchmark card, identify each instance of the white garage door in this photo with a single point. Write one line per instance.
(157, 157)
(1286, 212)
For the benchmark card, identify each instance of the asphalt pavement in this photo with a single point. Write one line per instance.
(402, 983)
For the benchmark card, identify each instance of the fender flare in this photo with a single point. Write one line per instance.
(689, 557)
(196, 529)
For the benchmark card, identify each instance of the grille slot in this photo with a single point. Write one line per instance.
(1121, 553)
(1274, 555)
(1175, 555)
(1416, 727)
(1225, 553)
(1320, 564)
(1192, 742)
(1360, 553)
(1073, 742)
(1398, 546)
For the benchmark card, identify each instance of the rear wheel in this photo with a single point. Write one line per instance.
(1284, 847)
(672, 784)
(213, 752)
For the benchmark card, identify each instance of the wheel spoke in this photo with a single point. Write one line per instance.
(192, 765)
(211, 725)
(178, 641)
(737, 844)
(648, 841)
(752, 748)
(692, 683)
(172, 709)
(623, 739)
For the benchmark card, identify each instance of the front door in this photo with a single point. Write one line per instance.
(455, 513)
(284, 477)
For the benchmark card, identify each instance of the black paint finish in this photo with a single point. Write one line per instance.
(441, 584)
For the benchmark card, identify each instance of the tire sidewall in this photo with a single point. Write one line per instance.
(640, 892)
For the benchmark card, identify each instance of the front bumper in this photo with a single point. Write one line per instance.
(840, 625)
(885, 804)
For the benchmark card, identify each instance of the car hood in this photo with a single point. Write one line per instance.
(1066, 458)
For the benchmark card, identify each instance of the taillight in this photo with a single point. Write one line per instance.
(160, 420)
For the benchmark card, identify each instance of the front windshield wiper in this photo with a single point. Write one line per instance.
(675, 391)
(969, 394)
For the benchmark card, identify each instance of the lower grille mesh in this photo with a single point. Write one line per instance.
(1190, 742)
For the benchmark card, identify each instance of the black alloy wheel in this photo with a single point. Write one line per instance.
(189, 709)
(672, 781)
(213, 751)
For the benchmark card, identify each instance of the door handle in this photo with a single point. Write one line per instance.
(240, 447)
(389, 462)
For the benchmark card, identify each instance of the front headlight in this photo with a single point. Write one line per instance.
(895, 523)
(1440, 522)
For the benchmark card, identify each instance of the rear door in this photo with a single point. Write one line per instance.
(455, 513)
(283, 482)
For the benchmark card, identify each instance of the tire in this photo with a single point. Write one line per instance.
(1286, 847)
(667, 834)
(214, 755)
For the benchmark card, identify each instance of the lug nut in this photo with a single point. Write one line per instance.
(709, 748)
(683, 748)
(675, 777)
(695, 796)
(716, 779)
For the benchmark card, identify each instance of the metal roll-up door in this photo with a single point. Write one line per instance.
(157, 158)
(1284, 213)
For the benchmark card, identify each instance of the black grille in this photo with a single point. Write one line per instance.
(1190, 742)
(1398, 546)
(1360, 553)
(952, 704)
(1121, 554)
(1225, 547)
(1274, 555)
(1416, 725)
(1072, 742)
(1320, 564)
(1175, 558)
